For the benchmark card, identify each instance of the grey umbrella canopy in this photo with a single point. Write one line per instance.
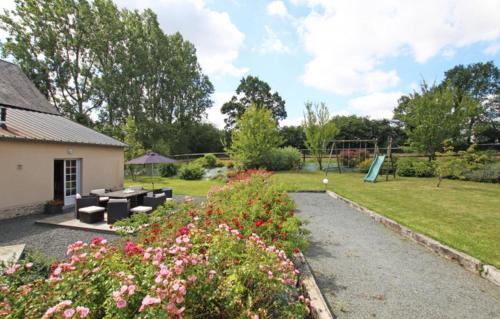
(151, 158)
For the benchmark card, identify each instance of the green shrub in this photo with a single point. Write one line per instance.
(282, 159)
(489, 173)
(229, 164)
(423, 168)
(168, 170)
(191, 171)
(207, 161)
(364, 166)
(405, 167)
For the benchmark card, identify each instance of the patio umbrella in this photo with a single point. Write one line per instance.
(151, 158)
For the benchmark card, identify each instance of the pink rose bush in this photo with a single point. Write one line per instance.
(208, 261)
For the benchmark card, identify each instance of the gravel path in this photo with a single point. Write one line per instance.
(51, 241)
(367, 271)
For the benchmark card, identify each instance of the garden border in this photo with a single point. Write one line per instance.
(319, 306)
(488, 272)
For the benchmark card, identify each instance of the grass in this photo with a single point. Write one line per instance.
(179, 186)
(463, 215)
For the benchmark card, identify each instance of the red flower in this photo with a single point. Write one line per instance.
(97, 240)
(184, 230)
(259, 223)
(296, 250)
(270, 220)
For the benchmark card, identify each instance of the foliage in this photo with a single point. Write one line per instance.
(282, 159)
(424, 168)
(364, 166)
(255, 135)
(169, 169)
(92, 57)
(481, 82)
(414, 167)
(455, 165)
(351, 157)
(293, 136)
(208, 161)
(191, 171)
(431, 116)
(226, 259)
(135, 147)
(488, 173)
(319, 130)
(252, 91)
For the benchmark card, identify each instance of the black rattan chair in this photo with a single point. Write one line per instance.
(118, 209)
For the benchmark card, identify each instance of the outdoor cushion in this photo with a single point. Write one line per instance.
(117, 200)
(91, 209)
(99, 191)
(160, 195)
(150, 194)
(103, 198)
(141, 209)
(78, 196)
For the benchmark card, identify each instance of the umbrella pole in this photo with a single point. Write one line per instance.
(152, 176)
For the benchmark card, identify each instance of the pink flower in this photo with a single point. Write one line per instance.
(192, 278)
(68, 313)
(121, 303)
(12, 269)
(131, 289)
(147, 301)
(28, 265)
(82, 311)
(147, 256)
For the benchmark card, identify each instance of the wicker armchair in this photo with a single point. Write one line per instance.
(118, 209)
(154, 201)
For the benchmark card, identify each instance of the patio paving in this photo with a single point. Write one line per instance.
(367, 271)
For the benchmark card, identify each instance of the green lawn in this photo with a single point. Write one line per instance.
(179, 186)
(463, 215)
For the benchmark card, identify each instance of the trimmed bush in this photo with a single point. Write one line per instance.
(207, 161)
(489, 173)
(168, 170)
(282, 159)
(423, 169)
(405, 167)
(191, 171)
(412, 167)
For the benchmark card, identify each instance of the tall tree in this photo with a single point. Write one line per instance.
(52, 44)
(481, 82)
(430, 117)
(293, 136)
(253, 91)
(319, 130)
(255, 135)
(135, 147)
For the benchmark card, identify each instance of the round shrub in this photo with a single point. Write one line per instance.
(191, 171)
(282, 159)
(423, 168)
(405, 167)
(489, 173)
(168, 170)
(207, 161)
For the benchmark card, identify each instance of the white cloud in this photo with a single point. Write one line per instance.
(272, 43)
(214, 114)
(493, 49)
(376, 105)
(296, 121)
(277, 8)
(216, 38)
(349, 41)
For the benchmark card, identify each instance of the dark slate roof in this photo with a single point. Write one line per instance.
(18, 91)
(36, 126)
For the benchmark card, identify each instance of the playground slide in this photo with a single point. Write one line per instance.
(374, 169)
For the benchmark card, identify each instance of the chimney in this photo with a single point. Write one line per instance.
(3, 117)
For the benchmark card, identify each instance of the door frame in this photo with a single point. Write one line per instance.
(69, 200)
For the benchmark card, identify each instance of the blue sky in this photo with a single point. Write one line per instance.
(357, 56)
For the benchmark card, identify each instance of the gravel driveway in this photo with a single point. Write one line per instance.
(52, 241)
(367, 271)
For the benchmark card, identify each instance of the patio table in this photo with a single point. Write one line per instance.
(135, 196)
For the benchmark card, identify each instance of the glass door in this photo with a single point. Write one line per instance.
(71, 180)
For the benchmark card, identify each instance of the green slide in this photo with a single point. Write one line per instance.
(374, 169)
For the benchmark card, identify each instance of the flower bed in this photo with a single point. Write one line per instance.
(228, 258)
